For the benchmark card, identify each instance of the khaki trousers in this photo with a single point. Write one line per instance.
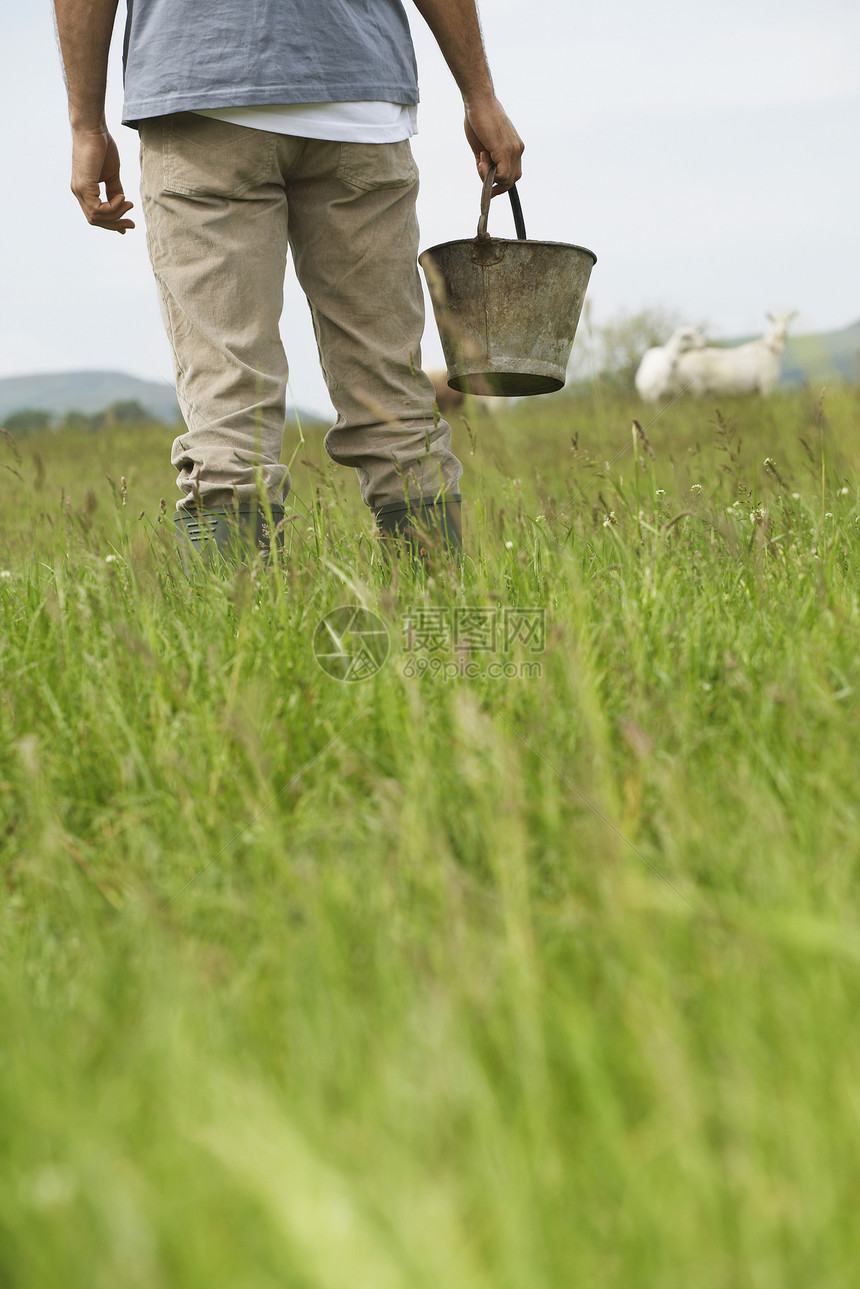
(222, 203)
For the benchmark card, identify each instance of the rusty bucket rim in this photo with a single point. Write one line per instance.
(509, 241)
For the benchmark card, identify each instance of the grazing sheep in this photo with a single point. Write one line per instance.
(448, 400)
(747, 369)
(657, 375)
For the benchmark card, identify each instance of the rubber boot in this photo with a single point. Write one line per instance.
(227, 534)
(420, 528)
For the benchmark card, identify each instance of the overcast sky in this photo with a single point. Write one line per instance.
(707, 154)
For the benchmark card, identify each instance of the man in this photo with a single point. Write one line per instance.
(263, 124)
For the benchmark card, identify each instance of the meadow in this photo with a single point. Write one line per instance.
(529, 960)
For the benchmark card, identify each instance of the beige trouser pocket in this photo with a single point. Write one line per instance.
(374, 167)
(204, 156)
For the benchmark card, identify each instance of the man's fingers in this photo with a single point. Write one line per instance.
(113, 187)
(104, 214)
(503, 181)
(110, 216)
(104, 217)
(95, 161)
(509, 168)
(493, 138)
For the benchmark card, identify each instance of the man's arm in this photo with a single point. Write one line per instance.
(84, 28)
(491, 134)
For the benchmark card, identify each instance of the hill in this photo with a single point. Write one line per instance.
(86, 391)
(91, 392)
(815, 357)
(823, 356)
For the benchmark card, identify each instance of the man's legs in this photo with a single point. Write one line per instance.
(354, 236)
(216, 211)
(216, 217)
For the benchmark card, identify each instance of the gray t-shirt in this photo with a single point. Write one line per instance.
(185, 54)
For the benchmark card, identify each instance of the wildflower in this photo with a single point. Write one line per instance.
(828, 514)
(795, 496)
(5, 574)
(695, 487)
(509, 546)
(661, 492)
(610, 519)
(111, 559)
(844, 492)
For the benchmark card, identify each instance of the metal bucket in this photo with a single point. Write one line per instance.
(507, 309)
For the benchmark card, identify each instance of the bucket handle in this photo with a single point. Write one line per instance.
(517, 209)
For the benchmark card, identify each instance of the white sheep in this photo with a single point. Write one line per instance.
(448, 399)
(657, 374)
(752, 368)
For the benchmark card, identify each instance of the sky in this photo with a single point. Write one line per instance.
(707, 154)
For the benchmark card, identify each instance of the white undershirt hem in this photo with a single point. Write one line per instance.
(336, 122)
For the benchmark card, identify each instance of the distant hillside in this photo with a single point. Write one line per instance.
(92, 392)
(821, 357)
(86, 391)
(615, 349)
(826, 355)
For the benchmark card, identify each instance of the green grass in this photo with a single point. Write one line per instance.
(425, 982)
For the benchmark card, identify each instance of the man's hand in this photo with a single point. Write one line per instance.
(95, 161)
(493, 138)
(84, 29)
(491, 135)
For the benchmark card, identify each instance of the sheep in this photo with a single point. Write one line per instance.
(449, 400)
(657, 374)
(752, 368)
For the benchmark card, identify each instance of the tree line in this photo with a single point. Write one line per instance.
(125, 414)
